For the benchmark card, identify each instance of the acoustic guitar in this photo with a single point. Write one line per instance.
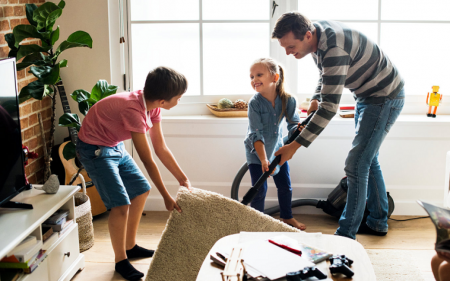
(71, 167)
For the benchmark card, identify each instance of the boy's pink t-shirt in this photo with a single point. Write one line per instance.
(112, 119)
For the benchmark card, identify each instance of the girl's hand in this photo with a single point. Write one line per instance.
(171, 204)
(265, 166)
(300, 128)
(186, 183)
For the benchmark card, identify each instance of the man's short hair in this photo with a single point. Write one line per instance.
(164, 83)
(295, 22)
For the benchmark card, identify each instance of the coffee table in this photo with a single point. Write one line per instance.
(362, 267)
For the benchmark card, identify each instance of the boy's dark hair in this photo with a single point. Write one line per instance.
(295, 22)
(164, 83)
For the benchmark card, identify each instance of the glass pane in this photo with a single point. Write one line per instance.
(308, 71)
(428, 10)
(228, 52)
(421, 63)
(171, 44)
(236, 10)
(339, 10)
(164, 10)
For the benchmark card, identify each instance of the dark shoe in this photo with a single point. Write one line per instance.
(429, 114)
(127, 271)
(434, 115)
(365, 229)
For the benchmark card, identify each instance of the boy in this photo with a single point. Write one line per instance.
(120, 183)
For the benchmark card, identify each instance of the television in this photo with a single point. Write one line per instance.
(12, 173)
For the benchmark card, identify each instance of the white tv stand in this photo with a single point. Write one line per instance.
(63, 256)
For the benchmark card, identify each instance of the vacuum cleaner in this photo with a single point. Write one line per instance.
(333, 206)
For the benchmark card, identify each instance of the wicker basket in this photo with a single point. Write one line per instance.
(83, 218)
(227, 112)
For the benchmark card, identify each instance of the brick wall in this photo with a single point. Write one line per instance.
(12, 13)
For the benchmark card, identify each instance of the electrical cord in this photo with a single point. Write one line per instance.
(411, 218)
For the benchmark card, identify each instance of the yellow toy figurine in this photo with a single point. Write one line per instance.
(434, 100)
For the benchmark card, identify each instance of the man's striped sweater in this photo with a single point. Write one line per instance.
(347, 58)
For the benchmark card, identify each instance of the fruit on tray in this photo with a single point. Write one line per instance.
(241, 104)
(225, 103)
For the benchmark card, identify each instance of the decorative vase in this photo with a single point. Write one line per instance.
(305, 104)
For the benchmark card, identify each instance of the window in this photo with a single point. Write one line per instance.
(214, 42)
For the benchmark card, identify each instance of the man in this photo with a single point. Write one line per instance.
(347, 58)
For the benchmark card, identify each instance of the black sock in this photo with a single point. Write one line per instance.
(139, 252)
(365, 229)
(127, 271)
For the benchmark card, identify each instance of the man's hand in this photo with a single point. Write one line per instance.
(186, 183)
(287, 152)
(171, 204)
(314, 105)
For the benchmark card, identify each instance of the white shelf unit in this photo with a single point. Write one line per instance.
(63, 256)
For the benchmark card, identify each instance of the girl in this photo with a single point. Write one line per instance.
(266, 110)
(121, 184)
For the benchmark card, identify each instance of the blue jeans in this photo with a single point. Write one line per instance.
(114, 173)
(364, 177)
(283, 183)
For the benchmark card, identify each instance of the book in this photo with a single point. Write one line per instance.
(46, 233)
(56, 227)
(22, 265)
(441, 220)
(57, 217)
(27, 242)
(347, 113)
(37, 261)
(347, 107)
(50, 241)
(66, 227)
(27, 253)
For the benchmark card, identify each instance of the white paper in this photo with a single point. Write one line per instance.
(272, 261)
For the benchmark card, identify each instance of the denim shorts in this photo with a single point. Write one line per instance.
(115, 174)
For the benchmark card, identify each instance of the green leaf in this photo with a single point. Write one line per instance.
(62, 4)
(55, 36)
(10, 40)
(13, 53)
(25, 50)
(80, 95)
(45, 16)
(52, 19)
(31, 59)
(76, 39)
(70, 120)
(23, 31)
(63, 63)
(84, 107)
(48, 90)
(30, 9)
(46, 74)
(34, 89)
(24, 96)
(102, 89)
(69, 151)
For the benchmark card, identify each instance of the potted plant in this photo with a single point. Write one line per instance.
(43, 58)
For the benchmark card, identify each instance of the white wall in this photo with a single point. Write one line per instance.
(211, 150)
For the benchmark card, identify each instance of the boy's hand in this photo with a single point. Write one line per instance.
(186, 183)
(444, 255)
(300, 128)
(171, 204)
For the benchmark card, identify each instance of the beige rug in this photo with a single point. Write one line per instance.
(206, 217)
(398, 265)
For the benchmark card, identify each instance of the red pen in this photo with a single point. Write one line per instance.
(292, 250)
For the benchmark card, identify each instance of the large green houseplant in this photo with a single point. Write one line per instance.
(43, 58)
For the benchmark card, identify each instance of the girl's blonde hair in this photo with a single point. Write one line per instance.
(275, 68)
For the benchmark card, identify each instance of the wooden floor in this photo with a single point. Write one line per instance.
(416, 236)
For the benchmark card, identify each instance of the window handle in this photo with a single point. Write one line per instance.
(274, 6)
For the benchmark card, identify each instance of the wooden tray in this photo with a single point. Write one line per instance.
(227, 112)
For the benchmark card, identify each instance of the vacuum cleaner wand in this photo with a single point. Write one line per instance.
(248, 197)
